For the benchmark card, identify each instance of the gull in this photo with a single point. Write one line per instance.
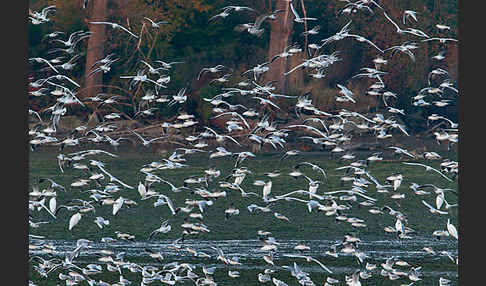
(440, 56)
(309, 128)
(290, 153)
(93, 152)
(314, 167)
(53, 184)
(103, 68)
(314, 204)
(60, 77)
(254, 28)
(74, 220)
(447, 84)
(265, 101)
(53, 34)
(283, 54)
(409, 14)
(169, 64)
(118, 204)
(408, 30)
(364, 2)
(42, 60)
(267, 89)
(437, 190)
(106, 60)
(399, 150)
(144, 141)
(152, 70)
(101, 222)
(374, 157)
(113, 142)
(164, 228)
(38, 92)
(437, 71)
(346, 92)
(313, 31)
(280, 216)
(115, 26)
(313, 186)
(146, 112)
(441, 40)
(433, 210)
(452, 229)
(363, 39)
(428, 168)
(41, 17)
(169, 203)
(224, 78)
(231, 210)
(252, 207)
(223, 14)
(343, 33)
(237, 8)
(40, 204)
(297, 18)
(71, 42)
(139, 78)
(267, 188)
(155, 24)
(112, 178)
(241, 156)
(309, 259)
(174, 188)
(181, 97)
(221, 138)
(442, 27)
(233, 274)
(220, 152)
(214, 69)
(353, 191)
(404, 48)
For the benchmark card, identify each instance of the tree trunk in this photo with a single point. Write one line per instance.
(280, 32)
(295, 80)
(95, 50)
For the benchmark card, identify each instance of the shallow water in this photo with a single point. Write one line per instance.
(249, 250)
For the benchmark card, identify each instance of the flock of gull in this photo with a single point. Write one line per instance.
(245, 126)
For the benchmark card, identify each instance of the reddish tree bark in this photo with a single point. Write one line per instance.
(280, 32)
(95, 50)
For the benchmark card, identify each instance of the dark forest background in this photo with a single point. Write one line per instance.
(191, 38)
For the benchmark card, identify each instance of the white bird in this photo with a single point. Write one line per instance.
(399, 150)
(74, 220)
(428, 168)
(164, 228)
(101, 222)
(117, 205)
(297, 18)
(155, 24)
(147, 142)
(267, 189)
(432, 209)
(409, 14)
(309, 259)
(114, 26)
(346, 93)
(407, 30)
(452, 229)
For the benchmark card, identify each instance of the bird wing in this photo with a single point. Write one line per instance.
(128, 31)
(320, 264)
(294, 11)
(394, 24)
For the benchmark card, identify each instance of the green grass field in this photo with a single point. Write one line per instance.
(143, 218)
